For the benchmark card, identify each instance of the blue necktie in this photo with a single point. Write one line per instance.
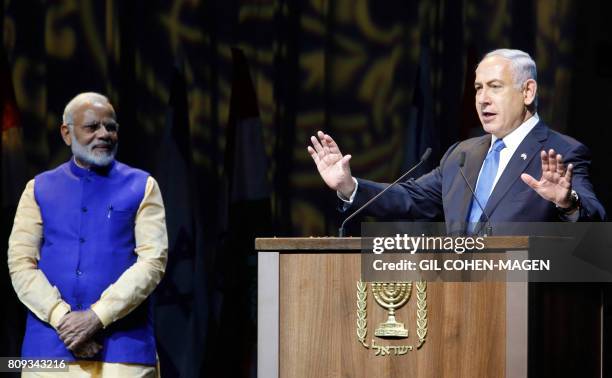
(485, 183)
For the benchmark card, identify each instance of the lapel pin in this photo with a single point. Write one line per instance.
(524, 156)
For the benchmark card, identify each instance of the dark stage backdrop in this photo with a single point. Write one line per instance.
(218, 99)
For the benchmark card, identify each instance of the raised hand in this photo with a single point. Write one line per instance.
(333, 167)
(555, 185)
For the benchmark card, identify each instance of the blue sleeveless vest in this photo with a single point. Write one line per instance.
(88, 228)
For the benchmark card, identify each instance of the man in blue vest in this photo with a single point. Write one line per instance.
(521, 170)
(88, 246)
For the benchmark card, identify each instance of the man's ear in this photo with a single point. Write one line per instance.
(530, 89)
(65, 131)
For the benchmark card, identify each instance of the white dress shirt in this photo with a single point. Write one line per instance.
(512, 141)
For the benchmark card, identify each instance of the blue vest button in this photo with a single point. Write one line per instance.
(82, 240)
(84, 209)
(78, 272)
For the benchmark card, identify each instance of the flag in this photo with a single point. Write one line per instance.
(13, 157)
(180, 300)
(249, 216)
(14, 176)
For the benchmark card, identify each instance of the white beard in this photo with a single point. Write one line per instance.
(88, 156)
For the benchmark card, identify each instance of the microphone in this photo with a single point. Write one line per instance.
(488, 229)
(423, 159)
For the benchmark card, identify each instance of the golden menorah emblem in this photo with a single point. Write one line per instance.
(391, 296)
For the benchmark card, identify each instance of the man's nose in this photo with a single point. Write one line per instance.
(102, 132)
(482, 97)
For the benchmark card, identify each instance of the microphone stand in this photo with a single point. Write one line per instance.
(423, 159)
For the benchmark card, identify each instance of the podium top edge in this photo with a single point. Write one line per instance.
(349, 244)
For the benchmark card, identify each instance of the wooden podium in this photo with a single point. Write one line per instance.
(307, 320)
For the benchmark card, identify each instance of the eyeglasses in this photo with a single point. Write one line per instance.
(111, 127)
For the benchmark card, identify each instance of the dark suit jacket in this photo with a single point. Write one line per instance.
(443, 194)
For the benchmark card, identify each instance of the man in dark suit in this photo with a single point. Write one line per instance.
(502, 165)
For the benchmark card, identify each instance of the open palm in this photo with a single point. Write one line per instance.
(555, 184)
(332, 166)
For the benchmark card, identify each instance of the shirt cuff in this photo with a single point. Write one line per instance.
(349, 201)
(58, 313)
(104, 316)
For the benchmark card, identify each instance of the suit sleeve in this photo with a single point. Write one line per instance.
(416, 199)
(591, 210)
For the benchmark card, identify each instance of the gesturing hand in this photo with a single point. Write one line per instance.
(332, 166)
(555, 184)
(76, 327)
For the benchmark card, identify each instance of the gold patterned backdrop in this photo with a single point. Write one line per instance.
(348, 67)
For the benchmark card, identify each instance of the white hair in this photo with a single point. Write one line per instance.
(523, 67)
(79, 100)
